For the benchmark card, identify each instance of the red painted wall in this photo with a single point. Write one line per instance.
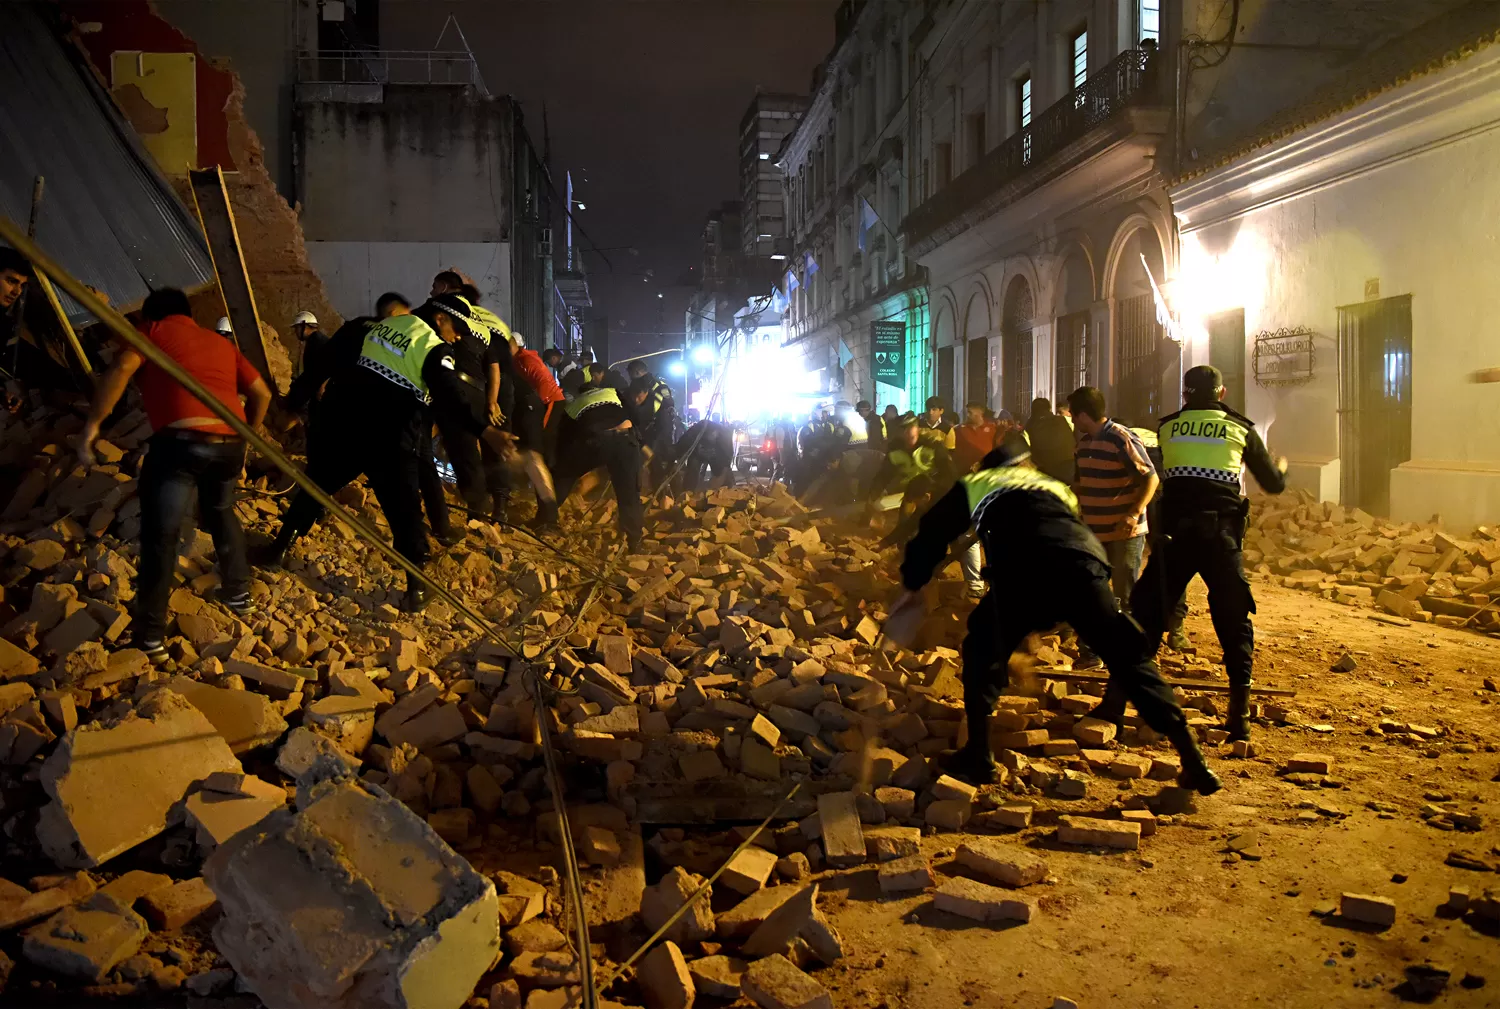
(132, 25)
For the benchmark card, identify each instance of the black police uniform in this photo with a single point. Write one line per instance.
(709, 445)
(587, 440)
(1044, 568)
(1203, 518)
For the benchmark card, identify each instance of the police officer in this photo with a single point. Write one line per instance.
(371, 420)
(1204, 449)
(709, 445)
(655, 414)
(596, 431)
(1054, 571)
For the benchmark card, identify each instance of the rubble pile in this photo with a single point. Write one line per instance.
(1411, 571)
(735, 655)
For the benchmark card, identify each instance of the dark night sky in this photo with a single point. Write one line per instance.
(644, 99)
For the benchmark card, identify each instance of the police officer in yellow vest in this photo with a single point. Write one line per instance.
(596, 431)
(371, 420)
(1045, 567)
(1204, 449)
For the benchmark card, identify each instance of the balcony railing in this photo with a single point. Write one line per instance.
(1130, 79)
(388, 66)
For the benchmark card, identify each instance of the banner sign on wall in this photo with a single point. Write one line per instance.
(887, 350)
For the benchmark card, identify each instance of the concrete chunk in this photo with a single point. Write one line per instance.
(776, 983)
(660, 901)
(351, 901)
(1099, 833)
(717, 976)
(843, 838)
(302, 749)
(749, 870)
(980, 901)
(1369, 909)
(244, 718)
(114, 785)
(1001, 863)
(909, 873)
(746, 916)
(172, 907)
(86, 941)
(218, 816)
(664, 978)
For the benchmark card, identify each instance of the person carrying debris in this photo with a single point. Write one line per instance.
(190, 449)
(1205, 449)
(1045, 567)
(528, 421)
(375, 416)
(918, 465)
(596, 431)
(708, 445)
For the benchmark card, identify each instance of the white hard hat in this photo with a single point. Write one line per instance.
(305, 319)
(223, 326)
(516, 335)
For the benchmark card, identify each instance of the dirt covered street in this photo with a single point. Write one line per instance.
(1185, 921)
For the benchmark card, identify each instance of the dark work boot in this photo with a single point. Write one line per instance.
(973, 763)
(272, 555)
(546, 515)
(1195, 775)
(1237, 722)
(417, 596)
(1112, 708)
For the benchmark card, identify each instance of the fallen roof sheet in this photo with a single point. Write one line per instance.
(107, 215)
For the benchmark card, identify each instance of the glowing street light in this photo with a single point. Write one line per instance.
(676, 369)
(703, 354)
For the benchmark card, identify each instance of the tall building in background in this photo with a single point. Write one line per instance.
(763, 129)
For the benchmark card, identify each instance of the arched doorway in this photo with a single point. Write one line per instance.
(1074, 325)
(1015, 348)
(977, 352)
(943, 338)
(1146, 362)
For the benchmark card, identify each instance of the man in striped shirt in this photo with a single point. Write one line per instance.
(1115, 483)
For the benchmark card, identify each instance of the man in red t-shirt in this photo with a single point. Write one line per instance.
(973, 439)
(189, 448)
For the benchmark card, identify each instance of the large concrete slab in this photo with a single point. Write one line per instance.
(113, 785)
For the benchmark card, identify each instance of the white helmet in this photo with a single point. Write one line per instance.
(516, 335)
(223, 328)
(305, 319)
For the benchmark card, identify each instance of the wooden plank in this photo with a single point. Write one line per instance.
(211, 200)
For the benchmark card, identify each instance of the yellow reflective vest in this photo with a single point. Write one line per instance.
(985, 486)
(586, 401)
(1203, 443)
(397, 348)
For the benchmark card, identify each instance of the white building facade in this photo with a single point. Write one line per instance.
(1041, 217)
(1343, 270)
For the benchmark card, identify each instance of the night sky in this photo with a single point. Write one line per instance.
(644, 99)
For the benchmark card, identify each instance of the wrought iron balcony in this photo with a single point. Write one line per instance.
(1130, 80)
(389, 66)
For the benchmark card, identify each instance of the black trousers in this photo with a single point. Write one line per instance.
(620, 454)
(175, 467)
(1073, 589)
(1207, 545)
(431, 484)
(338, 452)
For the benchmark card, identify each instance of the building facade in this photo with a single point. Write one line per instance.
(849, 168)
(1040, 207)
(763, 129)
(1335, 261)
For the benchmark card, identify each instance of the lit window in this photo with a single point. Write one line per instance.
(1150, 15)
(1023, 95)
(765, 157)
(1080, 57)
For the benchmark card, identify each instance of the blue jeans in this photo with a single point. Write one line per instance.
(1124, 567)
(175, 466)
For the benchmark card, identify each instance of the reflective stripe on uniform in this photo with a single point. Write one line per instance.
(396, 349)
(585, 401)
(489, 324)
(1208, 444)
(984, 487)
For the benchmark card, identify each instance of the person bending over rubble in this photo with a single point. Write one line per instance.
(190, 448)
(708, 445)
(1045, 567)
(596, 431)
(375, 414)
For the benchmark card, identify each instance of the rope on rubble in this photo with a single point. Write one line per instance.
(126, 332)
(698, 893)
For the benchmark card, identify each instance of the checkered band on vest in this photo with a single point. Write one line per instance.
(401, 380)
(1224, 476)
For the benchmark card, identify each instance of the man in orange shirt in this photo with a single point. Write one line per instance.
(973, 439)
(190, 448)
